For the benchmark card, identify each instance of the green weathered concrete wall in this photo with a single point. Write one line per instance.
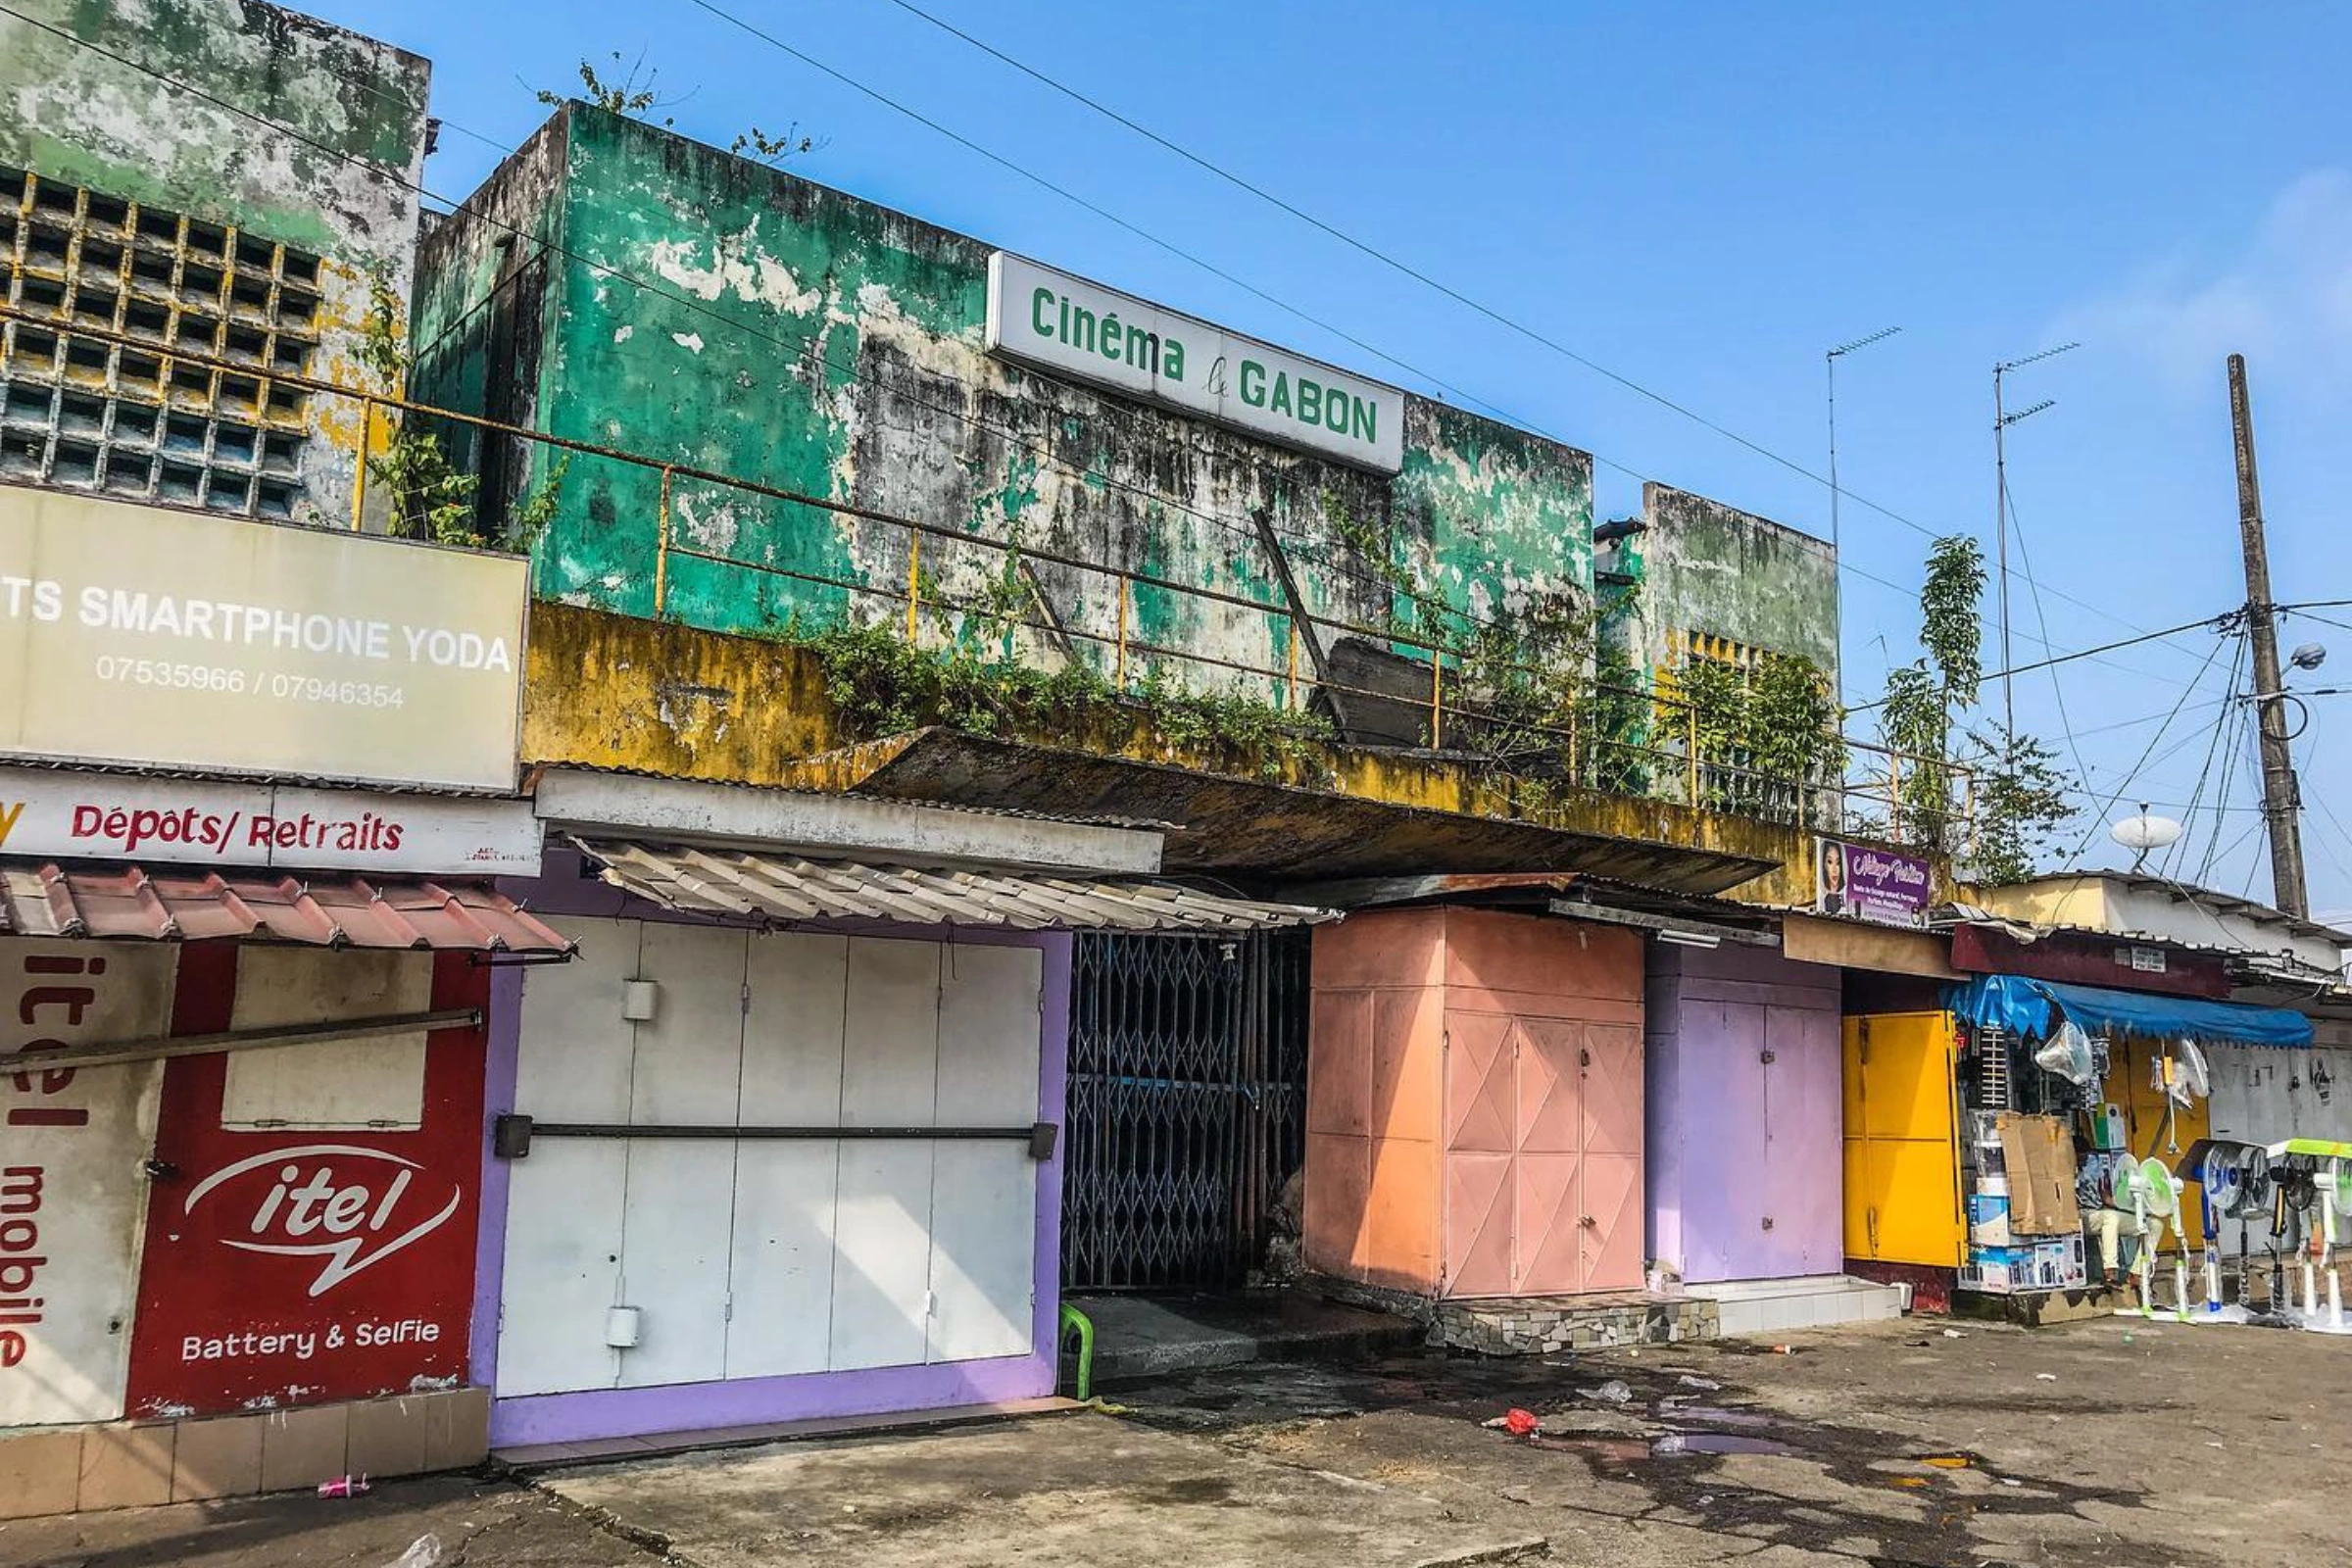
(307, 135)
(1704, 566)
(351, 106)
(719, 313)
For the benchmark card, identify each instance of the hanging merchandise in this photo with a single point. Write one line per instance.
(2193, 1075)
(2067, 1053)
(2180, 1074)
(1994, 1089)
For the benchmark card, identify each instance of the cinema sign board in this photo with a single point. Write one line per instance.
(149, 636)
(1066, 325)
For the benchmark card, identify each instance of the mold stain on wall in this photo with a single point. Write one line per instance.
(715, 313)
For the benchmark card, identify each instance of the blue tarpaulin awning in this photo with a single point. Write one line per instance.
(2032, 1008)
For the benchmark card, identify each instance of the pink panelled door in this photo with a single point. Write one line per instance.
(1542, 1156)
(1481, 1153)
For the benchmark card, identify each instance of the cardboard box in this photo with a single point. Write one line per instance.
(1989, 1219)
(2038, 1152)
(2024, 1269)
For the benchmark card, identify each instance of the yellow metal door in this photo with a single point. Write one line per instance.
(2131, 1084)
(1902, 1157)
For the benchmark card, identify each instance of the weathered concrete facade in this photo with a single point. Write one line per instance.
(703, 310)
(1698, 569)
(243, 225)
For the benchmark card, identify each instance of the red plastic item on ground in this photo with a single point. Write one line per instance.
(1520, 1423)
(343, 1486)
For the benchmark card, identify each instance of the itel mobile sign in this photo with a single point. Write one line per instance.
(317, 1265)
(1864, 883)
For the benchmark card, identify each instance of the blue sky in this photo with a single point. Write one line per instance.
(1702, 198)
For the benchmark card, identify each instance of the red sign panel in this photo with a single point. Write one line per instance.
(288, 1267)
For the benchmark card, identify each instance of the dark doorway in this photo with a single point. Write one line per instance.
(1186, 1107)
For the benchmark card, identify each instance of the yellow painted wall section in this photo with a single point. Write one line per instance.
(2076, 902)
(1902, 1157)
(656, 697)
(615, 691)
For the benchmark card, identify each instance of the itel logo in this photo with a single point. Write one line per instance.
(349, 1205)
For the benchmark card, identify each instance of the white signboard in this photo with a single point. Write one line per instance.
(142, 634)
(1081, 329)
(98, 817)
(73, 1198)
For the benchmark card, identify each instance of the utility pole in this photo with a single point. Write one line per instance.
(2002, 419)
(2281, 796)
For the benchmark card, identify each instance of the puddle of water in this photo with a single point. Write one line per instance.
(1716, 1417)
(1717, 1443)
(1670, 1445)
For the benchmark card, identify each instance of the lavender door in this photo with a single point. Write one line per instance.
(1722, 1135)
(1757, 1126)
(1798, 1223)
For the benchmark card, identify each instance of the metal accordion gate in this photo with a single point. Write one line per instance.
(1186, 1107)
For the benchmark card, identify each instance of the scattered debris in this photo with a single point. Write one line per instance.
(1709, 1385)
(1955, 1333)
(2045, 1377)
(343, 1487)
(423, 1553)
(1613, 1392)
(1519, 1423)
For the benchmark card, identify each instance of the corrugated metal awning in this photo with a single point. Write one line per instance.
(175, 905)
(787, 887)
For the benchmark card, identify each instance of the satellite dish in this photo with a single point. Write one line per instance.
(2308, 656)
(2145, 832)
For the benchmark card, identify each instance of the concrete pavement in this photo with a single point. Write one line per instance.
(2112, 1442)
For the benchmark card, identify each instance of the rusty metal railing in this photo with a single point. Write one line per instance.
(1862, 792)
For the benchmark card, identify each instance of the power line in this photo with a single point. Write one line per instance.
(812, 345)
(2205, 769)
(2066, 721)
(809, 347)
(1364, 247)
(2213, 621)
(2146, 753)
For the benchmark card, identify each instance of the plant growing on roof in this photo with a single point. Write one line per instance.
(634, 94)
(1541, 686)
(2021, 805)
(432, 497)
(2020, 791)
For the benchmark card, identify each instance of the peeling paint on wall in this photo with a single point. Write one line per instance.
(337, 182)
(841, 354)
(1702, 567)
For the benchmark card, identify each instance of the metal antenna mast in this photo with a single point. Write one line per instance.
(2002, 419)
(1832, 357)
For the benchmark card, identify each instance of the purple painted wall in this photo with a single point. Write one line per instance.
(1746, 1159)
(702, 1407)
